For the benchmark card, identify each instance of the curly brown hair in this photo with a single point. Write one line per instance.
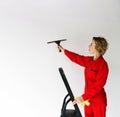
(101, 45)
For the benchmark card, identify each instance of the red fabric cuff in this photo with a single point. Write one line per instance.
(86, 97)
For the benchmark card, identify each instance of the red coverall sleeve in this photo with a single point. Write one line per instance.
(99, 84)
(76, 58)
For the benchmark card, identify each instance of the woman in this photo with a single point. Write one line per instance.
(96, 73)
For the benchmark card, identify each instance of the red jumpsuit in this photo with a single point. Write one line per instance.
(96, 73)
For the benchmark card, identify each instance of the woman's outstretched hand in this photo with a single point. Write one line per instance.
(78, 100)
(81, 101)
(60, 48)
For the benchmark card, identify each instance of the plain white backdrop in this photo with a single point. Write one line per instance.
(30, 84)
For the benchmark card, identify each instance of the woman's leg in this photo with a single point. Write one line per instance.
(99, 109)
(88, 111)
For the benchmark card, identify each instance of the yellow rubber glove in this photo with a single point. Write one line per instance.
(83, 103)
(86, 102)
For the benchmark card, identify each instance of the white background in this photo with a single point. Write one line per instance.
(30, 84)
